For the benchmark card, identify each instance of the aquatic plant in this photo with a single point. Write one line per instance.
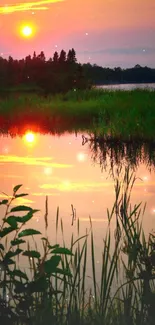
(53, 289)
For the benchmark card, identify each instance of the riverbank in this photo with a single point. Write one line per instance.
(121, 114)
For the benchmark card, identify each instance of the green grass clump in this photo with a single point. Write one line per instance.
(53, 290)
(121, 114)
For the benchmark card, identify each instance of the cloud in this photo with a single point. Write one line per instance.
(36, 161)
(10, 176)
(39, 5)
(125, 51)
(19, 201)
(76, 187)
(22, 201)
(46, 194)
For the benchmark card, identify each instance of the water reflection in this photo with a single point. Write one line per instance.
(111, 153)
(61, 168)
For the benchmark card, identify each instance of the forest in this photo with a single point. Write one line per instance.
(62, 73)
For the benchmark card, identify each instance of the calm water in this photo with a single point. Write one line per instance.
(128, 86)
(69, 173)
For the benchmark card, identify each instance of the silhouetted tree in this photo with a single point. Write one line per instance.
(62, 57)
(71, 56)
(56, 57)
(34, 55)
(62, 73)
(41, 56)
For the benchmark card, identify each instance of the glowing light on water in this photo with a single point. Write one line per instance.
(30, 137)
(48, 171)
(81, 156)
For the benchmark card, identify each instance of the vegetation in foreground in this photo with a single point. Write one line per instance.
(119, 114)
(53, 289)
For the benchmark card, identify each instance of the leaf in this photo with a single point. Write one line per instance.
(38, 285)
(1, 246)
(24, 305)
(12, 254)
(4, 202)
(21, 208)
(44, 238)
(6, 231)
(29, 232)
(12, 221)
(20, 274)
(152, 259)
(2, 268)
(19, 287)
(64, 272)
(52, 247)
(9, 261)
(34, 254)
(17, 242)
(17, 187)
(23, 219)
(29, 216)
(20, 195)
(62, 250)
(50, 266)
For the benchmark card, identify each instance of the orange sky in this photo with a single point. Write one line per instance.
(106, 32)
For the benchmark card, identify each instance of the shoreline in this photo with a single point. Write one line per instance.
(121, 113)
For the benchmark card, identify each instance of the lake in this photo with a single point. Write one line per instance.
(68, 170)
(128, 86)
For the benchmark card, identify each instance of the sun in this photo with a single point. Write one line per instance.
(27, 31)
(29, 137)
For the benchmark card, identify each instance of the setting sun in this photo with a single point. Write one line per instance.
(30, 137)
(27, 31)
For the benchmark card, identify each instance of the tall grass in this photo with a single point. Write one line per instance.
(118, 113)
(53, 290)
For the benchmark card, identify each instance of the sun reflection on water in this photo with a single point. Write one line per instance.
(29, 137)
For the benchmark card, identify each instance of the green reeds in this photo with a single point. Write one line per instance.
(54, 290)
(120, 114)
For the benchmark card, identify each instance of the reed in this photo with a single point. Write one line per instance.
(53, 288)
(120, 114)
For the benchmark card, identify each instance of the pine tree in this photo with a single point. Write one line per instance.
(71, 56)
(55, 57)
(41, 56)
(62, 57)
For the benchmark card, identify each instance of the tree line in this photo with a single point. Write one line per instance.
(59, 73)
(137, 74)
(62, 72)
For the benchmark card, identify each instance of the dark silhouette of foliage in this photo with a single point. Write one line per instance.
(62, 72)
(62, 57)
(56, 57)
(58, 74)
(137, 74)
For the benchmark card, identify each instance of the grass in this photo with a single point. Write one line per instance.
(119, 114)
(53, 289)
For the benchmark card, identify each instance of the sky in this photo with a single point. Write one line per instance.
(109, 33)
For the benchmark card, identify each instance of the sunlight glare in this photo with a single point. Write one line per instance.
(29, 137)
(81, 156)
(26, 31)
(48, 171)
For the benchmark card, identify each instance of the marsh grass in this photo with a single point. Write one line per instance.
(125, 114)
(56, 291)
